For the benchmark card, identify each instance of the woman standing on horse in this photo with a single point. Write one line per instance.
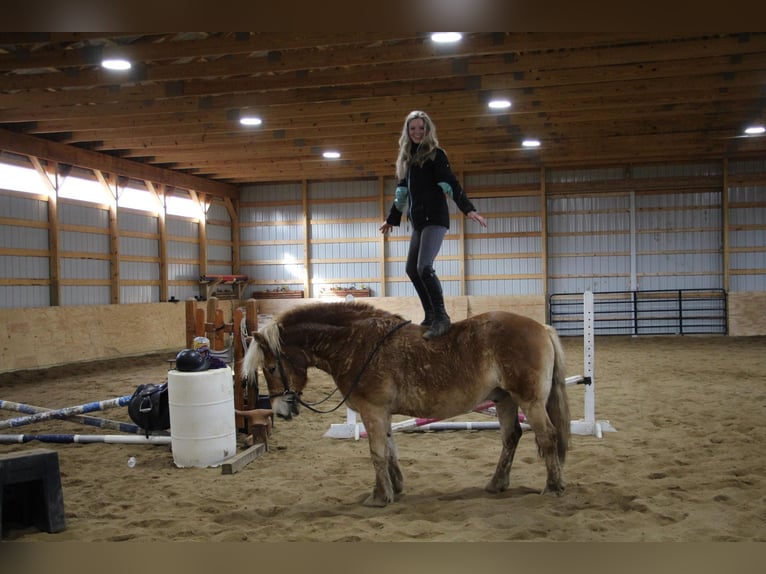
(425, 181)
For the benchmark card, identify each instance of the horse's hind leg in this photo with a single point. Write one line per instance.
(397, 480)
(545, 436)
(510, 429)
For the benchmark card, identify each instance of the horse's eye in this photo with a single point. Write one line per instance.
(271, 370)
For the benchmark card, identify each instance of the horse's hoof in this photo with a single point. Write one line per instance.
(496, 488)
(557, 489)
(374, 502)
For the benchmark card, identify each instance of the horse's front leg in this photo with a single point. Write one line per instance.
(378, 429)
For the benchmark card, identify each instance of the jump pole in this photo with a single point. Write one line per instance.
(86, 420)
(85, 438)
(588, 425)
(66, 412)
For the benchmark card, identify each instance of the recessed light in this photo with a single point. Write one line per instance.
(250, 121)
(446, 37)
(755, 130)
(531, 143)
(116, 64)
(499, 104)
(331, 155)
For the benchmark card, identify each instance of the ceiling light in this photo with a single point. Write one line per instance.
(446, 37)
(755, 130)
(331, 155)
(531, 143)
(250, 121)
(116, 64)
(499, 104)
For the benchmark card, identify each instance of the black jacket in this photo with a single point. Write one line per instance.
(428, 201)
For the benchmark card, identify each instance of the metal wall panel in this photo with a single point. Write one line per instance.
(218, 232)
(747, 237)
(220, 269)
(182, 250)
(84, 242)
(16, 296)
(28, 208)
(139, 294)
(341, 190)
(664, 170)
(574, 175)
(137, 222)
(139, 271)
(748, 166)
(218, 253)
(24, 267)
(183, 271)
(271, 192)
(139, 246)
(80, 214)
(177, 227)
(473, 180)
(218, 211)
(86, 295)
(589, 241)
(17, 237)
(183, 292)
(672, 229)
(76, 268)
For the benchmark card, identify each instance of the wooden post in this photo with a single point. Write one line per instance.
(210, 319)
(239, 355)
(191, 321)
(217, 342)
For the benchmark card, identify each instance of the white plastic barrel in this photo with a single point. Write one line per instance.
(203, 430)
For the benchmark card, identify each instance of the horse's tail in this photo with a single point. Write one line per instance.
(558, 404)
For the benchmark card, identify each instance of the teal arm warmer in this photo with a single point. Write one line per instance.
(446, 188)
(401, 197)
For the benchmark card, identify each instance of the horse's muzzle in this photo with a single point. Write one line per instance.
(287, 406)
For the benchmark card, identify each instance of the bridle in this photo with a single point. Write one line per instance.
(292, 396)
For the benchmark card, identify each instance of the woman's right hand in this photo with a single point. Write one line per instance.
(385, 228)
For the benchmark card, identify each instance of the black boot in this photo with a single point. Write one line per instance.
(425, 301)
(441, 322)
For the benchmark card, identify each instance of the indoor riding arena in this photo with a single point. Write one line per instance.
(147, 235)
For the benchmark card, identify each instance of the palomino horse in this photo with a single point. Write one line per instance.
(382, 366)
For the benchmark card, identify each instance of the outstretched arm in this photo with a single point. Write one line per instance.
(474, 215)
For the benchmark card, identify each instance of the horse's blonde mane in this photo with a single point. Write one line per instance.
(271, 333)
(254, 358)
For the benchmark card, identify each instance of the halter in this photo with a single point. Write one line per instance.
(293, 396)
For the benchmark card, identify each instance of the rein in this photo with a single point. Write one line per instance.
(353, 385)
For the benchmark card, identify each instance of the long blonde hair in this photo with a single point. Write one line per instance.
(426, 149)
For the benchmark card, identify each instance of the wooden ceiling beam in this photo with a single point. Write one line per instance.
(53, 151)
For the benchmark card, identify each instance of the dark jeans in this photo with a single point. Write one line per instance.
(424, 247)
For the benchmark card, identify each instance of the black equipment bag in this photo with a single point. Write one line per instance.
(148, 407)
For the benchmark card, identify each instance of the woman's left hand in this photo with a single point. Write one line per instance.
(476, 217)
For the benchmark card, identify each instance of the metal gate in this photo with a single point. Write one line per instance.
(662, 312)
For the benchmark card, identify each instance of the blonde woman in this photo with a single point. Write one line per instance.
(425, 181)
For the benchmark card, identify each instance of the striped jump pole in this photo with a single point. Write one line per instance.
(66, 412)
(85, 438)
(86, 420)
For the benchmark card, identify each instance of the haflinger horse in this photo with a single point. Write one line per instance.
(382, 366)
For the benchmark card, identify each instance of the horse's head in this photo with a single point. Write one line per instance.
(285, 370)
